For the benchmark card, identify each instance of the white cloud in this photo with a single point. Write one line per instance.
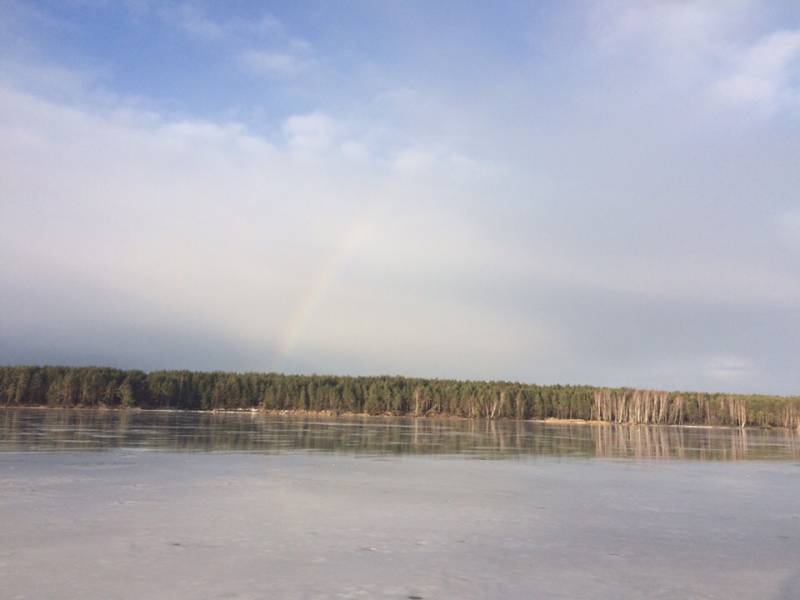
(707, 47)
(196, 23)
(272, 63)
(415, 160)
(310, 133)
(669, 23)
(627, 225)
(288, 55)
(683, 35)
(420, 160)
(354, 150)
(204, 225)
(765, 73)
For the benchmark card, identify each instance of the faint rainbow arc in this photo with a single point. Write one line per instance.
(318, 289)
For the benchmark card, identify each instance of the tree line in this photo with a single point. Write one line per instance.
(95, 387)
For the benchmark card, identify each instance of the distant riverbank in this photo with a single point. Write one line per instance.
(353, 415)
(98, 387)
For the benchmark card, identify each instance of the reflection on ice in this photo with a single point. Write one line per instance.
(32, 429)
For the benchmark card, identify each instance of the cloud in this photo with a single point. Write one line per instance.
(681, 35)
(208, 228)
(421, 160)
(272, 63)
(763, 75)
(669, 23)
(194, 21)
(597, 213)
(309, 133)
(354, 150)
(701, 47)
(414, 160)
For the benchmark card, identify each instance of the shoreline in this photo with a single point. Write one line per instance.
(442, 417)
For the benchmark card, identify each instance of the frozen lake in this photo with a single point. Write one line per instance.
(187, 505)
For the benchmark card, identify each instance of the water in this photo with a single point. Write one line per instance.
(190, 505)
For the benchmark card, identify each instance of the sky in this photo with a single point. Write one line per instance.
(586, 192)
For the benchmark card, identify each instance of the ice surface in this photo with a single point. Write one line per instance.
(122, 523)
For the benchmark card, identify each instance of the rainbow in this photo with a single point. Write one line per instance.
(319, 288)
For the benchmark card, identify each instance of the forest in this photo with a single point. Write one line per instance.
(100, 387)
